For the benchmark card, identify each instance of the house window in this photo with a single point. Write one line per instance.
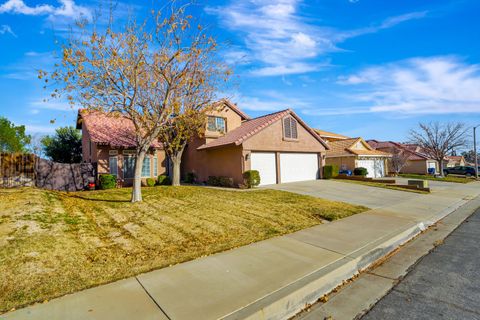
(146, 166)
(128, 167)
(290, 128)
(155, 165)
(113, 165)
(216, 124)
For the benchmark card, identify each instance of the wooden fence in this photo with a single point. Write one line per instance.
(18, 170)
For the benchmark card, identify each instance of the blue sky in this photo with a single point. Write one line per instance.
(365, 68)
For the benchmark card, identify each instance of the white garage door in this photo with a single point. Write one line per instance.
(298, 167)
(369, 165)
(265, 164)
(375, 167)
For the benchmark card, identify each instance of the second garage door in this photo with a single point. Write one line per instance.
(298, 167)
(375, 168)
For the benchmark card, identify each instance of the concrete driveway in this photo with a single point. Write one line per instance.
(371, 197)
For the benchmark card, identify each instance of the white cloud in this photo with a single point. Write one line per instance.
(6, 29)
(67, 8)
(432, 85)
(281, 40)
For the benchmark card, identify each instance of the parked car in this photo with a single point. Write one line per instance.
(460, 170)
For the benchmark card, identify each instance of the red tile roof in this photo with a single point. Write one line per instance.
(389, 145)
(252, 127)
(346, 147)
(107, 129)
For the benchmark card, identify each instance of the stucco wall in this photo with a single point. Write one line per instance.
(87, 154)
(347, 162)
(271, 139)
(415, 166)
(232, 121)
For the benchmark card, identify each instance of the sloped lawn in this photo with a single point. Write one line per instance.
(53, 243)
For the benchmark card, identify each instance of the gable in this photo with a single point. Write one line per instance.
(360, 144)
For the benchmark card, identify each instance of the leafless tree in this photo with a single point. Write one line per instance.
(439, 140)
(399, 159)
(142, 71)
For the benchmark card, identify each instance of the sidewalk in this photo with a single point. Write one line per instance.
(270, 279)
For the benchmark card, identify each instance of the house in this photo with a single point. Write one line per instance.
(279, 145)
(453, 161)
(418, 161)
(330, 136)
(108, 141)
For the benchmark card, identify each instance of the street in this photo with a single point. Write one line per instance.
(445, 284)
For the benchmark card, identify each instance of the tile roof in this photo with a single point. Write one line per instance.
(252, 127)
(113, 130)
(389, 145)
(328, 134)
(345, 148)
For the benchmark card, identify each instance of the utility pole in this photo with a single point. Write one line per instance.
(475, 150)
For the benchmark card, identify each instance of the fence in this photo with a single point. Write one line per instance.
(16, 170)
(19, 170)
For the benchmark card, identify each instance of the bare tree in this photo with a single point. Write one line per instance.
(399, 159)
(439, 140)
(142, 71)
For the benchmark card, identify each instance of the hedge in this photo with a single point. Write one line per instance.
(360, 171)
(164, 180)
(107, 181)
(251, 178)
(330, 171)
(150, 182)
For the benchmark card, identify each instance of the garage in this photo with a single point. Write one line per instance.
(298, 167)
(375, 167)
(265, 164)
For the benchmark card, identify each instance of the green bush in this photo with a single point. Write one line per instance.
(164, 180)
(251, 178)
(191, 177)
(360, 171)
(330, 171)
(107, 181)
(220, 181)
(150, 182)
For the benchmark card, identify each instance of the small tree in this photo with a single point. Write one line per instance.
(12, 137)
(65, 146)
(399, 159)
(439, 140)
(470, 156)
(143, 72)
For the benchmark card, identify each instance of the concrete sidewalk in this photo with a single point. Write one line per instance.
(272, 279)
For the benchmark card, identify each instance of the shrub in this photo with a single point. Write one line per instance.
(251, 178)
(107, 181)
(220, 181)
(164, 180)
(360, 171)
(191, 177)
(330, 171)
(150, 182)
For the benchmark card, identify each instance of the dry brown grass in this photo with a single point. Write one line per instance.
(53, 243)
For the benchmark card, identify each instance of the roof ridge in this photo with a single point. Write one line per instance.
(269, 114)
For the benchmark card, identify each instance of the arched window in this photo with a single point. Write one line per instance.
(290, 128)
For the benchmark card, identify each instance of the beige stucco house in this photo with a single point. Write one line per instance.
(279, 145)
(418, 162)
(350, 153)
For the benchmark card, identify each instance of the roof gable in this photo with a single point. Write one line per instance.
(227, 103)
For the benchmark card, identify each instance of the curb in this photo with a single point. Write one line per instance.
(289, 300)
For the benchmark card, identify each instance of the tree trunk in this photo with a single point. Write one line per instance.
(137, 179)
(440, 164)
(177, 161)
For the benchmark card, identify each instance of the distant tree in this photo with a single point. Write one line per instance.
(439, 140)
(142, 71)
(470, 156)
(65, 146)
(36, 146)
(12, 138)
(399, 159)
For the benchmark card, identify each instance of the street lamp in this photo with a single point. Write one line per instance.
(475, 150)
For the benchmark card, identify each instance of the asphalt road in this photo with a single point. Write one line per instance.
(445, 284)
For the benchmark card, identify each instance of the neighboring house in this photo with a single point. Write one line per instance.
(453, 161)
(418, 161)
(279, 145)
(330, 136)
(352, 153)
(109, 143)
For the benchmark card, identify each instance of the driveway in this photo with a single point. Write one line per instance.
(371, 197)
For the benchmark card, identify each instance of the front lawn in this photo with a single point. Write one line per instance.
(382, 185)
(53, 243)
(449, 178)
